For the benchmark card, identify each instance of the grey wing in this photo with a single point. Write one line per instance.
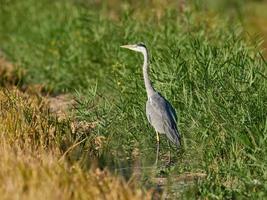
(172, 111)
(163, 110)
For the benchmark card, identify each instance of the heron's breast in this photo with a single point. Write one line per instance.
(156, 121)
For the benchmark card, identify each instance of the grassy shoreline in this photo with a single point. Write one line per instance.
(210, 70)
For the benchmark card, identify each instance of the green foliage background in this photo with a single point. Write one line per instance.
(210, 69)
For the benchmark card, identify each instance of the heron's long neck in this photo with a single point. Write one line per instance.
(149, 88)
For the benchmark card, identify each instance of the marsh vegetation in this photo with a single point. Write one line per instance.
(72, 118)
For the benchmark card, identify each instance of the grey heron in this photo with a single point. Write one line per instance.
(160, 113)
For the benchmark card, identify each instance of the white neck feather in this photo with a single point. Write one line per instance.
(149, 88)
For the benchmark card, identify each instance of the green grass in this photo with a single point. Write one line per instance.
(207, 67)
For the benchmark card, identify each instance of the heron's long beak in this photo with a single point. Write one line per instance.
(130, 46)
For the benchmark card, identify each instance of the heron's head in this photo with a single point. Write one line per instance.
(135, 47)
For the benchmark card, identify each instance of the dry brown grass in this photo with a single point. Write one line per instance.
(9, 73)
(30, 157)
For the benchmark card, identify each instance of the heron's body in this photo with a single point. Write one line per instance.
(160, 113)
(162, 117)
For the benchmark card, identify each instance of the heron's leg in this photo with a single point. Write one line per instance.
(169, 153)
(157, 148)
